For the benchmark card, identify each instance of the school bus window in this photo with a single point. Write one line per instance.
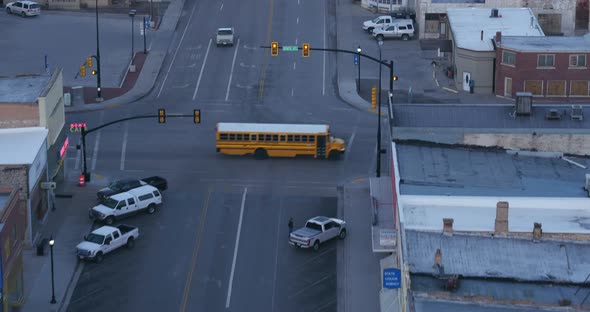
(282, 138)
(267, 137)
(246, 137)
(304, 138)
(223, 136)
(297, 138)
(275, 137)
(290, 138)
(239, 137)
(232, 136)
(311, 138)
(253, 137)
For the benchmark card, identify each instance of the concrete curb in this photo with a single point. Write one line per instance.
(153, 64)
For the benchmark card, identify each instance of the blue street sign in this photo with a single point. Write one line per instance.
(146, 21)
(392, 278)
(356, 59)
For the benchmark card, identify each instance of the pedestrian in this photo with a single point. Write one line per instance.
(290, 226)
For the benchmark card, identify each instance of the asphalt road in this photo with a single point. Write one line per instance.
(224, 219)
(67, 44)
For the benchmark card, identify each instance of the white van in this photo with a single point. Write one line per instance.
(402, 28)
(120, 205)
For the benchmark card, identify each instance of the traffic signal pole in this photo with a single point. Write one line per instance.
(85, 132)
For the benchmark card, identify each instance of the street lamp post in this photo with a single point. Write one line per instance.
(51, 243)
(99, 72)
(132, 14)
(145, 20)
(378, 171)
(358, 50)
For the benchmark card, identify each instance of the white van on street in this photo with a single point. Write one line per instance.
(120, 205)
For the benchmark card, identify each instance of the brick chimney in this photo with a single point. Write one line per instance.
(448, 226)
(537, 232)
(501, 225)
(498, 37)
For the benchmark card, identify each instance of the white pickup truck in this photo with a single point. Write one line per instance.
(377, 23)
(106, 239)
(127, 203)
(225, 36)
(317, 231)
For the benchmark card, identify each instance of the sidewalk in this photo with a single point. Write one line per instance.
(359, 264)
(67, 225)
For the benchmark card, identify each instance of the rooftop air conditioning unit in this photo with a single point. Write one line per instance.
(587, 184)
(524, 103)
(67, 99)
(577, 112)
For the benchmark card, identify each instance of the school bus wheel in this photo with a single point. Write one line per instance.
(260, 153)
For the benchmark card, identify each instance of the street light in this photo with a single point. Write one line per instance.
(132, 14)
(358, 50)
(99, 72)
(51, 243)
(378, 171)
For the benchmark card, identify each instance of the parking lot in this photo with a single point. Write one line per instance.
(29, 43)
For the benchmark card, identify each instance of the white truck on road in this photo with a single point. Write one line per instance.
(317, 231)
(145, 197)
(106, 239)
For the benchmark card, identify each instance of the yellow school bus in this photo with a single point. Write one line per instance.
(277, 140)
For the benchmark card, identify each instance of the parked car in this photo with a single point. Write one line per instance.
(106, 239)
(317, 231)
(378, 22)
(403, 13)
(225, 36)
(23, 8)
(127, 203)
(398, 29)
(125, 185)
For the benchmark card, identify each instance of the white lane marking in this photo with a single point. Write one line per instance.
(96, 143)
(233, 265)
(221, 8)
(177, 48)
(202, 68)
(349, 145)
(124, 148)
(296, 41)
(324, 70)
(78, 154)
(298, 20)
(231, 73)
(274, 279)
(297, 2)
(292, 90)
(293, 65)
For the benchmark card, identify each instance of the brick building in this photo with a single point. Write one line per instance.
(37, 101)
(554, 68)
(12, 234)
(23, 165)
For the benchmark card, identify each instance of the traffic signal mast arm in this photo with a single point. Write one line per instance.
(339, 50)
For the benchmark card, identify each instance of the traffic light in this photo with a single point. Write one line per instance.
(274, 48)
(374, 97)
(94, 72)
(394, 78)
(83, 71)
(306, 50)
(197, 116)
(161, 115)
(89, 61)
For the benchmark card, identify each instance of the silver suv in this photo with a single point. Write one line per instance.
(23, 8)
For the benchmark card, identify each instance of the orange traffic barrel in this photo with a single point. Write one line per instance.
(81, 180)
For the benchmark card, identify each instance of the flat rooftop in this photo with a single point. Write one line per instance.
(468, 23)
(20, 146)
(547, 44)
(487, 256)
(434, 170)
(22, 89)
(485, 116)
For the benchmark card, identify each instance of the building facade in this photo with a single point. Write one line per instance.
(554, 68)
(38, 101)
(23, 165)
(472, 30)
(12, 236)
(556, 17)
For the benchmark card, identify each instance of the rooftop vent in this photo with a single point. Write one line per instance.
(494, 13)
(524, 103)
